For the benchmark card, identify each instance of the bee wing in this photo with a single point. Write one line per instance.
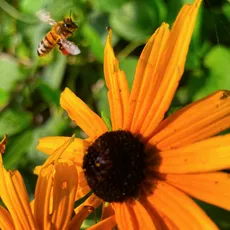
(45, 16)
(70, 47)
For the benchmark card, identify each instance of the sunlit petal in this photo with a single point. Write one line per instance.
(118, 91)
(194, 122)
(172, 66)
(82, 115)
(15, 197)
(6, 221)
(210, 187)
(204, 156)
(108, 223)
(180, 208)
(64, 190)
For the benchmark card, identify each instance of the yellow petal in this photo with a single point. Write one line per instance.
(83, 210)
(107, 211)
(83, 187)
(64, 190)
(194, 122)
(56, 155)
(75, 151)
(160, 220)
(208, 155)
(81, 215)
(171, 66)
(124, 217)
(82, 115)
(146, 81)
(42, 201)
(49, 144)
(133, 215)
(169, 224)
(210, 187)
(15, 197)
(118, 91)
(179, 208)
(6, 221)
(93, 201)
(108, 223)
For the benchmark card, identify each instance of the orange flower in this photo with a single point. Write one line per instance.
(53, 205)
(146, 167)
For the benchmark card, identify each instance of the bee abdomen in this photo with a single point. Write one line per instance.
(48, 42)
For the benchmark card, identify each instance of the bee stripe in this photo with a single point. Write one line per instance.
(47, 42)
(53, 36)
(41, 52)
(44, 45)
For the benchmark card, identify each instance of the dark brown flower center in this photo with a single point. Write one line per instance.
(115, 166)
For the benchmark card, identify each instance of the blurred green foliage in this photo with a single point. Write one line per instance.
(30, 86)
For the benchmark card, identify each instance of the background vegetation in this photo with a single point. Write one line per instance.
(30, 86)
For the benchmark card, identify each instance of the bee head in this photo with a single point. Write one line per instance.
(69, 24)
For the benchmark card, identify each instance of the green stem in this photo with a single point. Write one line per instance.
(15, 13)
(130, 48)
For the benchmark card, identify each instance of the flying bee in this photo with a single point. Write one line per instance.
(58, 35)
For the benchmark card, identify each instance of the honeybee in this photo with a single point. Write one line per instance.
(58, 35)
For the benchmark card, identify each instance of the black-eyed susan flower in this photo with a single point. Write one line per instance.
(54, 198)
(146, 167)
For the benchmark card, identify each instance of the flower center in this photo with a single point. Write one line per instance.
(115, 166)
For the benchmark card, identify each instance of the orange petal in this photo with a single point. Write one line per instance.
(204, 156)
(171, 67)
(83, 210)
(179, 208)
(194, 122)
(116, 82)
(132, 215)
(107, 211)
(64, 190)
(57, 154)
(124, 217)
(6, 221)
(43, 192)
(144, 81)
(158, 218)
(93, 201)
(80, 216)
(83, 187)
(74, 151)
(14, 196)
(108, 223)
(82, 115)
(210, 187)
(169, 224)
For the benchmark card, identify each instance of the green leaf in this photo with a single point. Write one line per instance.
(54, 73)
(108, 6)
(95, 42)
(100, 94)
(10, 72)
(29, 6)
(4, 98)
(16, 149)
(226, 10)
(51, 96)
(219, 215)
(129, 66)
(13, 121)
(218, 63)
(53, 127)
(135, 20)
(107, 121)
